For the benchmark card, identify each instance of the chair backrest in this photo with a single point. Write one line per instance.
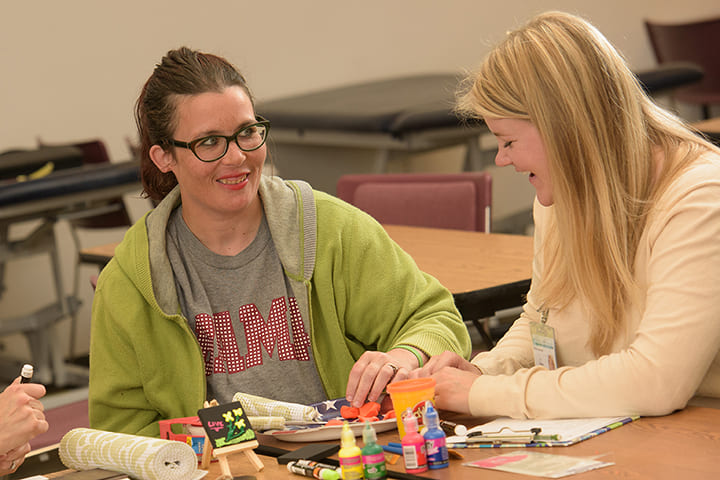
(695, 42)
(459, 201)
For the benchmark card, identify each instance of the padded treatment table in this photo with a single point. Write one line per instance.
(25, 162)
(410, 113)
(66, 193)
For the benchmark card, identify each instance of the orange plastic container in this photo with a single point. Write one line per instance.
(411, 394)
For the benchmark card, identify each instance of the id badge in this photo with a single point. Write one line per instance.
(543, 342)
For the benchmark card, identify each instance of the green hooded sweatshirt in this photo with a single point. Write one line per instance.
(359, 289)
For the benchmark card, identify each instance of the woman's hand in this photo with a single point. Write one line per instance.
(453, 376)
(445, 359)
(374, 370)
(13, 459)
(21, 419)
(452, 388)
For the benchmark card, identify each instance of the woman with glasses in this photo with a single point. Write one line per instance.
(240, 282)
(622, 317)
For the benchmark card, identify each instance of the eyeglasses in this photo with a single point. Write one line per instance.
(214, 147)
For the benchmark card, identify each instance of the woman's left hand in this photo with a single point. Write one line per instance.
(373, 371)
(452, 388)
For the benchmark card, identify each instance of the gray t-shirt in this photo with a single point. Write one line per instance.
(245, 318)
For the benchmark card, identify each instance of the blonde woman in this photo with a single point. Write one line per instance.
(625, 295)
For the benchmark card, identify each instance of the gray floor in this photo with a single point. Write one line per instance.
(64, 397)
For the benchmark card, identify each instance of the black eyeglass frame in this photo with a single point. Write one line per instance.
(228, 138)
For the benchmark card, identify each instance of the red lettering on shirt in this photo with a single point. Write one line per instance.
(275, 331)
(218, 328)
(259, 334)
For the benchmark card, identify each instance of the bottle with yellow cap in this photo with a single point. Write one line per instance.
(350, 455)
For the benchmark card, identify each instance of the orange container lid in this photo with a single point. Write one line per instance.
(410, 385)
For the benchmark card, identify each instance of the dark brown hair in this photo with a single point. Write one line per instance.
(180, 72)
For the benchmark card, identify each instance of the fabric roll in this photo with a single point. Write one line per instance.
(265, 407)
(139, 457)
(261, 424)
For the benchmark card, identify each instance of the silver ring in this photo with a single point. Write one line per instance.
(394, 368)
(12, 465)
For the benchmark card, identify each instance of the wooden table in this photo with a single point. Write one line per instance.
(486, 272)
(99, 254)
(462, 261)
(711, 129)
(711, 125)
(466, 261)
(683, 445)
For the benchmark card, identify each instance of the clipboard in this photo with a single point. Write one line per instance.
(509, 432)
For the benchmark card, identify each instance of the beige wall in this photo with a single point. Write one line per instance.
(72, 70)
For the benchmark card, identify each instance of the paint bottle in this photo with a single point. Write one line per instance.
(435, 444)
(350, 455)
(373, 457)
(413, 445)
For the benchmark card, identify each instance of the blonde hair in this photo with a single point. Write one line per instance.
(600, 132)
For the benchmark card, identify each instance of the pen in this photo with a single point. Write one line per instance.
(26, 373)
(391, 447)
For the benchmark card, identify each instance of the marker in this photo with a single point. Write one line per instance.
(451, 428)
(26, 373)
(309, 468)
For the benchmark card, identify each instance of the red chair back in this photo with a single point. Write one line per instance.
(459, 201)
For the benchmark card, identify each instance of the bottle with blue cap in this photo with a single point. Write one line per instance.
(435, 440)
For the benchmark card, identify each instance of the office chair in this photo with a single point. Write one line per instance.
(695, 42)
(669, 76)
(459, 201)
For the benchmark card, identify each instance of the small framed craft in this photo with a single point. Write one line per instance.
(227, 431)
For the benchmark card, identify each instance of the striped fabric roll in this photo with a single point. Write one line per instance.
(139, 457)
(261, 424)
(265, 407)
